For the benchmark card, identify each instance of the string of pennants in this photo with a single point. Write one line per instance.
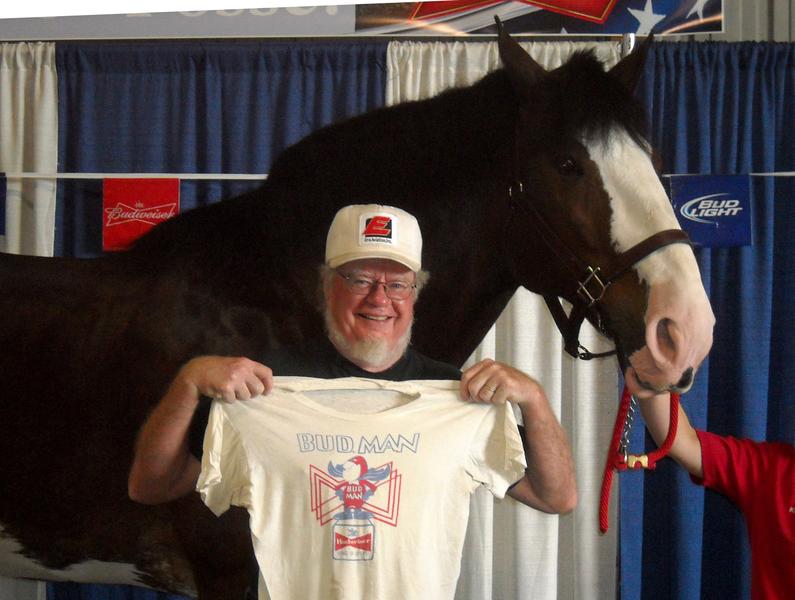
(715, 210)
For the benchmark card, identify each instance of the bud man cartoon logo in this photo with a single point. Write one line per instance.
(358, 484)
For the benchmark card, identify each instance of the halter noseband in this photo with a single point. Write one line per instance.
(591, 283)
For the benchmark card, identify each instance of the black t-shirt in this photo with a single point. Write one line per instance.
(321, 359)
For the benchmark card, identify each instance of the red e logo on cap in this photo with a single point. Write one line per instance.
(378, 226)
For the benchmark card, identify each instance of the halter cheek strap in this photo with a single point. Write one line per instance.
(592, 286)
(619, 460)
(589, 283)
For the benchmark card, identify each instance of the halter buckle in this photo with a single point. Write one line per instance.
(591, 278)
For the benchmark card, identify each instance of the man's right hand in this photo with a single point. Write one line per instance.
(163, 468)
(227, 378)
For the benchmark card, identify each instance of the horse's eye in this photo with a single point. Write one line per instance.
(567, 166)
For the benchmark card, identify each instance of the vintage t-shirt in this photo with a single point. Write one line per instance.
(358, 488)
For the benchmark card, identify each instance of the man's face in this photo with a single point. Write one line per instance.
(371, 329)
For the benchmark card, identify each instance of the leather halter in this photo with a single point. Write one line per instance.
(589, 282)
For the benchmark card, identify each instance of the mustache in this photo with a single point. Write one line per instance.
(372, 352)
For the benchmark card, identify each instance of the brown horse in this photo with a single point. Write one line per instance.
(527, 178)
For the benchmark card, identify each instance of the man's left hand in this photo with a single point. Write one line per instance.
(493, 382)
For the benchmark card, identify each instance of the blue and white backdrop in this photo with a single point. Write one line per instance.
(230, 106)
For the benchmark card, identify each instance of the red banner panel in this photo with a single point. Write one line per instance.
(589, 10)
(131, 207)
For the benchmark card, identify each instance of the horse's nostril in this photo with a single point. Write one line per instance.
(664, 338)
(686, 380)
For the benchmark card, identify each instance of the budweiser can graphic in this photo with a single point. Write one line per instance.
(353, 539)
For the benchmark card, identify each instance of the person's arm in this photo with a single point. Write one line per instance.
(163, 468)
(686, 449)
(549, 483)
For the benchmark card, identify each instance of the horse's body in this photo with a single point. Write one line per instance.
(87, 347)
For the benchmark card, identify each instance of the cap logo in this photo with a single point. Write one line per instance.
(377, 229)
(373, 231)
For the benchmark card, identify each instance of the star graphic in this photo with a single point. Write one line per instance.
(647, 18)
(698, 7)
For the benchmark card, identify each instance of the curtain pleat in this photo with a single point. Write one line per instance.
(29, 125)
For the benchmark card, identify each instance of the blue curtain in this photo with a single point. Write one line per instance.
(192, 107)
(721, 108)
(195, 107)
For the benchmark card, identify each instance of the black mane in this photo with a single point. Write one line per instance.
(592, 101)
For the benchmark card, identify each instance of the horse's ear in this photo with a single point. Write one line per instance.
(522, 69)
(629, 69)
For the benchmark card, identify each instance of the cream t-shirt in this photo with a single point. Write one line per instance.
(358, 489)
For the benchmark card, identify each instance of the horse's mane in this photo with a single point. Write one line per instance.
(593, 101)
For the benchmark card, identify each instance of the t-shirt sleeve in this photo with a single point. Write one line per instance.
(224, 478)
(496, 455)
(731, 466)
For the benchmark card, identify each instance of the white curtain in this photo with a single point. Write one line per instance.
(28, 144)
(513, 552)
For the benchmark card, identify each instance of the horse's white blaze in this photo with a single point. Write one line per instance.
(14, 563)
(677, 300)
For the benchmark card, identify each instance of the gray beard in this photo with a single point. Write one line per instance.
(371, 354)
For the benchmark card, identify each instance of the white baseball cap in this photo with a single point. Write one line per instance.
(373, 231)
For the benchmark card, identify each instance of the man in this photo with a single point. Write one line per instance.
(371, 279)
(759, 477)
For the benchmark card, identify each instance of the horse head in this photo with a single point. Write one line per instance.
(586, 191)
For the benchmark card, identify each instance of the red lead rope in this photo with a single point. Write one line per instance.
(619, 461)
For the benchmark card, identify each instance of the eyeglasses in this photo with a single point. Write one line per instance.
(362, 286)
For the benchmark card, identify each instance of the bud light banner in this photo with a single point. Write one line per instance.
(715, 210)
(131, 207)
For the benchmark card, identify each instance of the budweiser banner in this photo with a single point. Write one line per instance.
(438, 18)
(131, 207)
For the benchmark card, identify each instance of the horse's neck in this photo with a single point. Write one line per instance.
(452, 331)
(411, 155)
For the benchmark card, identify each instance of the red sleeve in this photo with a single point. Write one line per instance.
(734, 467)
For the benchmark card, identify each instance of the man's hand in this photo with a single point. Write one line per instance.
(497, 383)
(163, 468)
(549, 483)
(227, 378)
